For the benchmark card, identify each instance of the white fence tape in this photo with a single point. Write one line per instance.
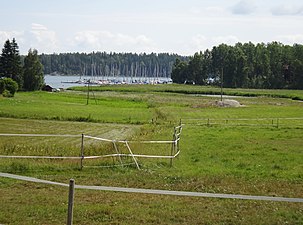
(119, 141)
(134, 156)
(40, 135)
(99, 139)
(248, 119)
(158, 192)
(130, 155)
(39, 157)
(261, 122)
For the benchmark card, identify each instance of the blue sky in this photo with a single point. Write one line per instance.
(174, 26)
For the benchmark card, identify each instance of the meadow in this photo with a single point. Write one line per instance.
(229, 157)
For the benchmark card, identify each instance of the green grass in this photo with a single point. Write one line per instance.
(73, 107)
(192, 89)
(224, 158)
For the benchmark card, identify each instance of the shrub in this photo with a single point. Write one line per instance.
(8, 87)
(7, 94)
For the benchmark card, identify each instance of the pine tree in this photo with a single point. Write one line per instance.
(10, 62)
(33, 71)
(17, 68)
(6, 60)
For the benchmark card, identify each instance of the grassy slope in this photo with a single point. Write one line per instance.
(223, 159)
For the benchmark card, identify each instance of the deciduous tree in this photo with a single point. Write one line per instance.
(33, 71)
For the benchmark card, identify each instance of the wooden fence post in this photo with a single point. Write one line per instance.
(82, 151)
(173, 147)
(70, 202)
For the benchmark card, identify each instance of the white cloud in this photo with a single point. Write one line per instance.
(229, 40)
(194, 12)
(282, 10)
(38, 37)
(36, 26)
(290, 39)
(18, 35)
(108, 41)
(214, 10)
(201, 43)
(42, 39)
(4, 35)
(243, 7)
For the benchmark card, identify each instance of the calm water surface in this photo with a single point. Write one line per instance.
(60, 81)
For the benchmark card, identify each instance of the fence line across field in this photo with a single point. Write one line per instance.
(159, 192)
(123, 142)
(39, 157)
(41, 135)
(129, 155)
(287, 118)
(276, 122)
(72, 188)
(175, 149)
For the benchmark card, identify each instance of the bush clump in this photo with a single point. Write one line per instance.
(8, 87)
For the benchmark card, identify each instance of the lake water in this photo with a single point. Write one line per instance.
(63, 81)
(58, 81)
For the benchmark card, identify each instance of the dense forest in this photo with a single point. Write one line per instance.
(110, 64)
(16, 72)
(247, 65)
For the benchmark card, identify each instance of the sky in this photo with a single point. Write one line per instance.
(172, 26)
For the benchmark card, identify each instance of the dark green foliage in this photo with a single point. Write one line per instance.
(180, 72)
(112, 64)
(272, 66)
(28, 78)
(10, 62)
(33, 72)
(8, 87)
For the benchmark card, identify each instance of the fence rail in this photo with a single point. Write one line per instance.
(117, 153)
(268, 122)
(159, 192)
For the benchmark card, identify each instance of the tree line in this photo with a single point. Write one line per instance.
(247, 65)
(110, 64)
(16, 72)
(271, 66)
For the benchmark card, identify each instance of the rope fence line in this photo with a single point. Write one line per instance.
(40, 135)
(124, 142)
(131, 155)
(287, 118)
(91, 137)
(175, 149)
(275, 122)
(158, 192)
(39, 157)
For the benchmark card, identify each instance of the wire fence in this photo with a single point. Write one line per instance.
(156, 191)
(261, 122)
(91, 148)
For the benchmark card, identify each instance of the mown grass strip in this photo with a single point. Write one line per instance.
(203, 90)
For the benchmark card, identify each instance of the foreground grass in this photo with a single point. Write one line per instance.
(122, 208)
(252, 160)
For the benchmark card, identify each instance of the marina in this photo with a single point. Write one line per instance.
(64, 82)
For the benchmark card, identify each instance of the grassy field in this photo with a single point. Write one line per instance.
(186, 89)
(262, 159)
